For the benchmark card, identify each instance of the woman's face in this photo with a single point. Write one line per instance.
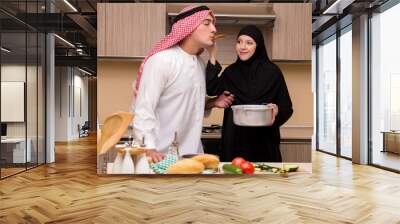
(245, 47)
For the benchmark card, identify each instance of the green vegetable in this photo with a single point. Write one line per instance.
(290, 167)
(262, 166)
(229, 168)
(267, 168)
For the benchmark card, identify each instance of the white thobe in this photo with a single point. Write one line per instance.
(171, 98)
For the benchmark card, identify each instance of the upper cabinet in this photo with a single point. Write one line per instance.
(287, 28)
(129, 30)
(291, 35)
(230, 18)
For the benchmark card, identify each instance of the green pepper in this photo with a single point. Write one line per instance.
(231, 169)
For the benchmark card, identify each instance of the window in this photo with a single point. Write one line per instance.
(327, 95)
(346, 92)
(385, 88)
(22, 77)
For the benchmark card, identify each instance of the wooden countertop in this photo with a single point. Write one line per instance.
(218, 136)
(303, 168)
(211, 135)
(290, 132)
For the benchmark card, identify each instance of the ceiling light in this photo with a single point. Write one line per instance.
(65, 41)
(338, 6)
(84, 71)
(5, 50)
(70, 5)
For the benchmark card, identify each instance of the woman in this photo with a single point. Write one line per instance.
(252, 79)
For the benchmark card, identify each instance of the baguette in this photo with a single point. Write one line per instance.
(219, 36)
(186, 166)
(209, 161)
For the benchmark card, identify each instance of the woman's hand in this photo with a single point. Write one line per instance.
(275, 110)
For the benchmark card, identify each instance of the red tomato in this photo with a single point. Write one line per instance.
(237, 161)
(247, 167)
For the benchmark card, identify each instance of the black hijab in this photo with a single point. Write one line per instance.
(256, 80)
(253, 32)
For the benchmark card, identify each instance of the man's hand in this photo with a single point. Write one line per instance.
(275, 110)
(212, 50)
(224, 100)
(154, 156)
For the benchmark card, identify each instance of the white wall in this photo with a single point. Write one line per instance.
(71, 94)
(80, 118)
(15, 72)
(61, 103)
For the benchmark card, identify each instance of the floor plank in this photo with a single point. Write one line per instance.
(70, 191)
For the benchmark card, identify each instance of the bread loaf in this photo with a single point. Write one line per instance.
(209, 161)
(186, 166)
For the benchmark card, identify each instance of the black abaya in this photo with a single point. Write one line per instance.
(255, 81)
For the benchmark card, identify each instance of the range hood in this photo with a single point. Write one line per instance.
(238, 19)
(261, 14)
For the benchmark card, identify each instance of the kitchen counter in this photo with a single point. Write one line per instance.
(211, 135)
(215, 135)
(303, 168)
(288, 132)
(292, 149)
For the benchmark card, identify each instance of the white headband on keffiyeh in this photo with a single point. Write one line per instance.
(184, 24)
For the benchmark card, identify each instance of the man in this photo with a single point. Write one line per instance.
(171, 86)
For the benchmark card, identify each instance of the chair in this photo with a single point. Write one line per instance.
(84, 130)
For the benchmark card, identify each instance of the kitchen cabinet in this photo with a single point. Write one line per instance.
(292, 150)
(101, 29)
(296, 150)
(129, 30)
(230, 19)
(290, 38)
(291, 34)
(227, 8)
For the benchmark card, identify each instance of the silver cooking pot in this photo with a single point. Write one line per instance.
(252, 115)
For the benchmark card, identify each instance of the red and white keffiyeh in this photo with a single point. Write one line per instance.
(180, 29)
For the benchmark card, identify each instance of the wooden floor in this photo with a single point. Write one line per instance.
(5, 172)
(69, 191)
(10, 171)
(387, 159)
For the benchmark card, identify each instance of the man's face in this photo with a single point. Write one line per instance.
(205, 32)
